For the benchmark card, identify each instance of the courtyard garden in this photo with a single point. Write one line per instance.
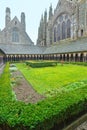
(48, 79)
(62, 90)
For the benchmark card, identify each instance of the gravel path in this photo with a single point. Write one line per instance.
(23, 90)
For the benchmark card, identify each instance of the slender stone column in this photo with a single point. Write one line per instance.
(84, 57)
(79, 56)
(74, 57)
(65, 57)
(69, 57)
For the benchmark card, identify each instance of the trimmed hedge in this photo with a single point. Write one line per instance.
(43, 115)
(41, 64)
(5, 87)
(80, 63)
(76, 63)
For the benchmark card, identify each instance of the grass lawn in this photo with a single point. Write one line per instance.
(50, 78)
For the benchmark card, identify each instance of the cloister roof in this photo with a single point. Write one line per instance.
(68, 46)
(21, 49)
(62, 47)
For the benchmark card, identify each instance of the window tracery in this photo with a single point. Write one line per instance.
(55, 34)
(15, 35)
(58, 32)
(63, 30)
(68, 29)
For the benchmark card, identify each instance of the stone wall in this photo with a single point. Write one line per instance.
(80, 124)
(15, 32)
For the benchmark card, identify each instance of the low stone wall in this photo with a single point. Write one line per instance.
(80, 123)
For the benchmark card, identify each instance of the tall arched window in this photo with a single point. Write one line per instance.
(68, 29)
(63, 30)
(58, 32)
(15, 35)
(55, 34)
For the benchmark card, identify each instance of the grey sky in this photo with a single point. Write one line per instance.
(33, 10)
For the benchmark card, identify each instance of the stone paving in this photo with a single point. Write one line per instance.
(83, 126)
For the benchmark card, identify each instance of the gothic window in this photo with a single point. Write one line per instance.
(58, 32)
(15, 35)
(55, 34)
(66, 16)
(15, 22)
(63, 30)
(61, 18)
(68, 29)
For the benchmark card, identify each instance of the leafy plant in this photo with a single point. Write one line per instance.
(44, 114)
(41, 64)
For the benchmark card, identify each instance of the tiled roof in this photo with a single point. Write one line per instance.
(69, 46)
(21, 49)
(63, 47)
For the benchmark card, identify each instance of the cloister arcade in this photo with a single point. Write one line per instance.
(70, 57)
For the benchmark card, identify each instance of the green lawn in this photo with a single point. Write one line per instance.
(50, 78)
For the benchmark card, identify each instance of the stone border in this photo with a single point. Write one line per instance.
(77, 123)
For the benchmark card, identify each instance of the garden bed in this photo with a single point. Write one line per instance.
(23, 90)
(47, 114)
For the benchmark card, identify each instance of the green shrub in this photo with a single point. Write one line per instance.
(5, 87)
(43, 115)
(41, 64)
(76, 63)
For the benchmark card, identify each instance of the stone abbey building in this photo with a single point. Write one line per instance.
(62, 35)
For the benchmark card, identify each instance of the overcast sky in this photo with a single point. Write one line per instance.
(33, 10)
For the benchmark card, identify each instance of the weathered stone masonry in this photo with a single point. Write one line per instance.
(61, 36)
